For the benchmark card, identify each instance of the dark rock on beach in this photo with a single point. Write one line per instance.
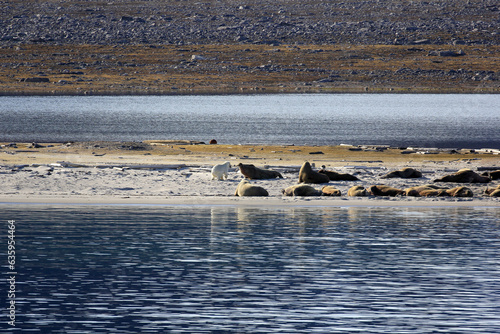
(35, 79)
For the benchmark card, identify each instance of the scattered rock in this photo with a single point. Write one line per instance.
(35, 145)
(197, 57)
(192, 22)
(447, 53)
(35, 79)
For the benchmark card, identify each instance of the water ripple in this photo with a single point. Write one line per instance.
(228, 269)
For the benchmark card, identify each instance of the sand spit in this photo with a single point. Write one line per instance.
(179, 173)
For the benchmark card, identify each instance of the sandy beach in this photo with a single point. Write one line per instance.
(178, 173)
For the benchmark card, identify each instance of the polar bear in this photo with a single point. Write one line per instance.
(219, 172)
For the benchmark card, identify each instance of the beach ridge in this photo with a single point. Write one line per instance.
(178, 173)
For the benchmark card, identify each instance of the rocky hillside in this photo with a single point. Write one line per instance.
(470, 22)
(162, 47)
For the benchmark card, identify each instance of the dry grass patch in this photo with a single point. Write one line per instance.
(86, 69)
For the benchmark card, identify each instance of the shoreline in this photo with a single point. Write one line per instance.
(225, 201)
(171, 153)
(217, 92)
(177, 173)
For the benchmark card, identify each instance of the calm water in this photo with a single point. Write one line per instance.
(123, 269)
(450, 121)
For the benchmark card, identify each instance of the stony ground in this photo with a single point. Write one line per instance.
(162, 47)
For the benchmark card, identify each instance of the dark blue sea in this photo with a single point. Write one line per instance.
(230, 269)
(401, 120)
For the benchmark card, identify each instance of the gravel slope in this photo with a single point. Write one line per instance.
(473, 22)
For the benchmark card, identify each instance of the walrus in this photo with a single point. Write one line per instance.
(301, 190)
(425, 190)
(495, 175)
(464, 176)
(334, 176)
(430, 190)
(330, 191)
(357, 191)
(383, 190)
(433, 193)
(307, 175)
(493, 192)
(253, 173)
(245, 188)
(405, 173)
(460, 192)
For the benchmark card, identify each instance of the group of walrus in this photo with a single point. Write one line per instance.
(308, 176)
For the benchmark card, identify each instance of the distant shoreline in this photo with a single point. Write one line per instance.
(221, 93)
(245, 69)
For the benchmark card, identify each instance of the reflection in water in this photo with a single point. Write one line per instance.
(257, 270)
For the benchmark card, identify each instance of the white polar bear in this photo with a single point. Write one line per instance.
(219, 172)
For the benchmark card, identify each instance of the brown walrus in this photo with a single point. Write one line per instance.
(464, 176)
(425, 190)
(301, 190)
(495, 175)
(460, 192)
(334, 176)
(253, 173)
(307, 175)
(383, 190)
(357, 191)
(493, 192)
(430, 190)
(405, 173)
(433, 193)
(330, 191)
(245, 188)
